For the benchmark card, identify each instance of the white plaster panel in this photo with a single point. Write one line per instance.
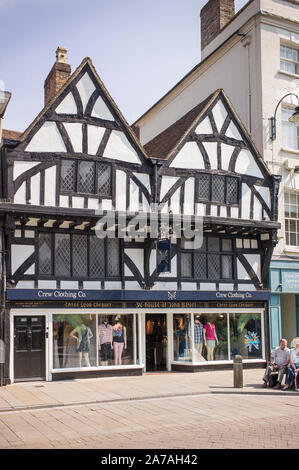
(254, 244)
(246, 198)
(189, 286)
(239, 243)
(145, 204)
(189, 157)
(132, 285)
(246, 243)
(257, 209)
(69, 285)
(64, 201)
(74, 130)
(136, 255)
(78, 202)
(248, 287)
(128, 271)
(20, 167)
(29, 233)
(18, 233)
(175, 202)
(25, 285)
(189, 196)
(223, 211)
(166, 184)
(35, 189)
(211, 149)
(67, 105)
(246, 164)
(207, 286)
(233, 132)
(144, 179)
(93, 203)
(226, 153)
(265, 193)
(255, 263)
(91, 285)
(47, 139)
(226, 286)
(214, 210)
(112, 285)
(219, 114)
(134, 196)
(106, 204)
(31, 270)
(101, 111)
(201, 208)
(119, 148)
(19, 254)
(94, 136)
(85, 88)
(204, 127)
(169, 286)
(173, 267)
(242, 273)
(20, 196)
(234, 212)
(50, 186)
(153, 261)
(121, 181)
(47, 284)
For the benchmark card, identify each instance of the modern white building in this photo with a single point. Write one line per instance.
(254, 56)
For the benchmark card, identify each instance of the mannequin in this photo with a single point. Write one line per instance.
(198, 334)
(119, 340)
(105, 341)
(210, 339)
(83, 336)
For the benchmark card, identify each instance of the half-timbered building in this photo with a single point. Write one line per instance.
(77, 304)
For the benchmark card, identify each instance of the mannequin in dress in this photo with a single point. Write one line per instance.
(105, 341)
(119, 333)
(83, 336)
(210, 339)
(198, 334)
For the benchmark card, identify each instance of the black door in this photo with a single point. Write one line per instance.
(156, 342)
(29, 348)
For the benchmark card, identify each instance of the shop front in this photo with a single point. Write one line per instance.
(108, 333)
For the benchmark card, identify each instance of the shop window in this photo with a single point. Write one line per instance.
(213, 261)
(245, 335)
(291, 213)
(78, 256)
(182, 348)
(81, 341)
(85, 177)
(290, 131)
(289, 59)
(220, 189)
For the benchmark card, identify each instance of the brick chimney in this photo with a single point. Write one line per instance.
(58, 75)
(213, 17)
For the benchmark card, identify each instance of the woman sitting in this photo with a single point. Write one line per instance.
(293, 367)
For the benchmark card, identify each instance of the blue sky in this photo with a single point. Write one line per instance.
(139, 48)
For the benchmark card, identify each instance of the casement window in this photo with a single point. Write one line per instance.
(289, 59)
(85, 177)
(291, 213)
(219, 189)
(213, 261)
(78, 256)
(290, 131)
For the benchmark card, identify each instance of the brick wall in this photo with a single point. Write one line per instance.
(214, 16)
(57, 77)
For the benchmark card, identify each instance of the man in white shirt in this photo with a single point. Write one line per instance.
(279, 360)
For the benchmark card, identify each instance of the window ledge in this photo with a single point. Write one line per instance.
(291, 249)
(293, 151)
(288, 74)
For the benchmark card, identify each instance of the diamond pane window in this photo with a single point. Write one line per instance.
(186, 264)
(62, 254)
(79, 250)
(96, 257)
(214, 267)
(218, 188)
(68, 173)
(113, 257)
(227, 267)
(45, 253)
(231, 190)
(213, 244)
(86, 173)
(104, 179)
(200, 266)
(204, 186)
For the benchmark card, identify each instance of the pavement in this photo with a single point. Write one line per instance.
(153, 411)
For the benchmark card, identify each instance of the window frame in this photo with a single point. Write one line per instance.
(291, 61)
(288, 218)
(210, 200)
(75, 191)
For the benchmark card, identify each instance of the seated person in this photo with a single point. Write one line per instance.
(294, 363)
(279, 362)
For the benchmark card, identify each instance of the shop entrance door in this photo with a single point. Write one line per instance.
(29, 348)
(156, 342)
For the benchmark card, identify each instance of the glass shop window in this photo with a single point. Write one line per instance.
(116, 342)
(182, 348)
(74, 341)
(246, 335)
(210, 337)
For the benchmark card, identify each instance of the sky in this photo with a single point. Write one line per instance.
(139, 48)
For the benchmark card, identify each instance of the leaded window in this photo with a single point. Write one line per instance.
(86, 177)
(212, 262)
(219, 189)
(78, 256)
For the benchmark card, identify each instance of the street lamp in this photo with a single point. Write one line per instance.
(294, 118)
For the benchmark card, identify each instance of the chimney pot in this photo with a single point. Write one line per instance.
(213, 17)
(58, 75)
